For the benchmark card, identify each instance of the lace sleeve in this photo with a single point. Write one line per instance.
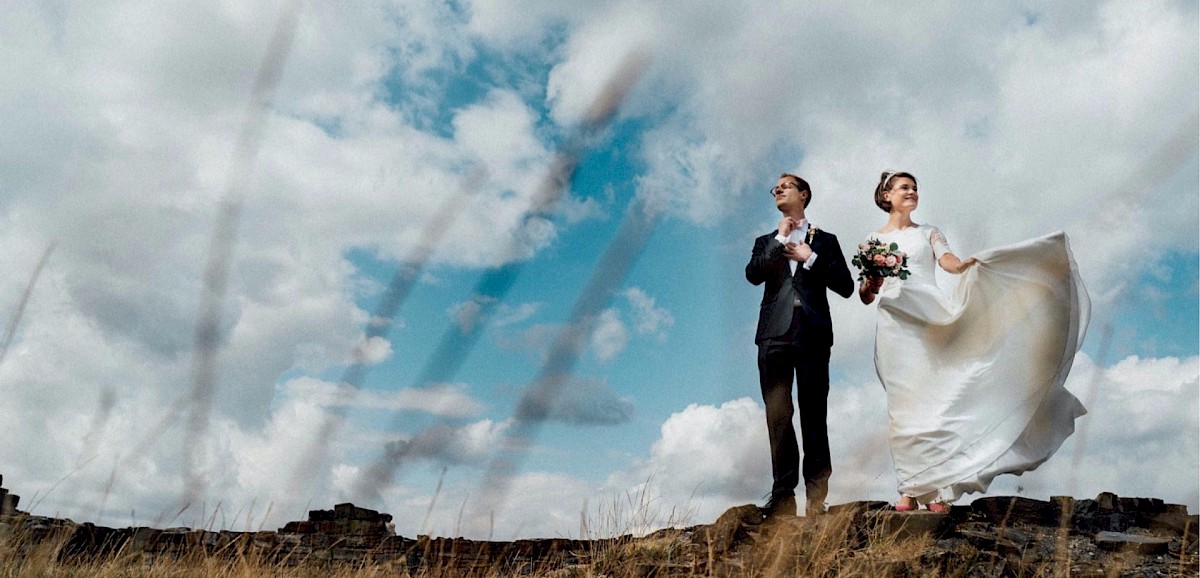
(938, 241)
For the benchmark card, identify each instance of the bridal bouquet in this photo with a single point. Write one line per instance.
(874, 259)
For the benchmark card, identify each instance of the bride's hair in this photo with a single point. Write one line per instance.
(885, 185)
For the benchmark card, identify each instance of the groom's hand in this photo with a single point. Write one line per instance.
(797, 251)
(787, 225)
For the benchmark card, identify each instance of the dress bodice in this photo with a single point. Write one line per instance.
(924, 245)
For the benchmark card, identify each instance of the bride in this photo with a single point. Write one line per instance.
(974, 380)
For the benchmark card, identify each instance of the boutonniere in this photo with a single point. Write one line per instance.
(812, 232)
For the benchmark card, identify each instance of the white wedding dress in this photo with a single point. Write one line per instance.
(974, 380)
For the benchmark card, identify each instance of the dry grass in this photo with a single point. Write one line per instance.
(835, 545)
(846, 544)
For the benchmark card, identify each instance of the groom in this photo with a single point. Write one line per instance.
(797, 262)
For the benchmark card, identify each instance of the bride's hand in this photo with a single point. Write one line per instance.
(952, 264)
(964, 265)
(868, 288)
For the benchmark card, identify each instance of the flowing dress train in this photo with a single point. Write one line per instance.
(974, 379)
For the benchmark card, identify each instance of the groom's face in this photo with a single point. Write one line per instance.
(787, 194)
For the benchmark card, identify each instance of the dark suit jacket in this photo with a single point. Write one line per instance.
(768, 265)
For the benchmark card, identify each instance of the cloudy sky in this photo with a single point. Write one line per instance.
(415, 316)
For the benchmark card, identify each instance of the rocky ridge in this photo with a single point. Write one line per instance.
(994, 536)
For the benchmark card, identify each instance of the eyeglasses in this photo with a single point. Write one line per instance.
(775, 190)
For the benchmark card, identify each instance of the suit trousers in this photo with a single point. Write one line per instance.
(779, 359)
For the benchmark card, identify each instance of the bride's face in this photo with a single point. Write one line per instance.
(903, 195)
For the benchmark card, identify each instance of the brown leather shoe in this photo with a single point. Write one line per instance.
(779, 505)
(814, 509)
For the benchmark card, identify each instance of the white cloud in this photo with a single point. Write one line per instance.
(540, 504)
(519, 24)
(609, 336)
(471, 443)
(441, 443)
(450, 400)
(1138, 439)
(510, 315)
(706, 459)
(140, 109)
(465, 314)
(687, 169)
(373, 350)
(610, 332)
(579, 401)
(594, 53)
(648, 319)
(499, 133)
(447, 400)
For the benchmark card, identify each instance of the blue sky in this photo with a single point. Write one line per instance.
(1019, 121)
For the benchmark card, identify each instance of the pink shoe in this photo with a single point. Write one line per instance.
(906, 504)
(939, 507)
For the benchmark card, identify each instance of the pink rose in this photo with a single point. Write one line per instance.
(890, 261)
(878, 259)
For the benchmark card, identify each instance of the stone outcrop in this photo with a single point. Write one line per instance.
(8, 502)
(993, 537)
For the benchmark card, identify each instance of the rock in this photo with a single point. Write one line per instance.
(298, 528)
(1062, 509)
(1175, 509)
(1131, 543)
(1102, 515)
(903, 525)
(1009, 510)
(90, 542)
(1141, 506)
(1176, 523)
(856, 508)
(349, 511)
(1102, 521)
(345, 519)
(1086, 507)
(8, 503)
(142, 537)
(729, 529)
(1003, 540)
